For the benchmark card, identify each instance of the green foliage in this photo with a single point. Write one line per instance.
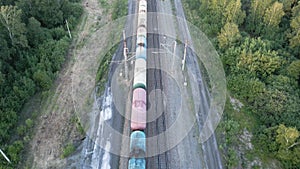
(256, 16)
(257, 58)
(245, 87)
(14, 151)
(273, 15)
(10, 18)
(229, 58)
(42, 79)
(287, 5)
(261, 64)
(33, 47)
(286, 136)
(233, 12)
(232, 160)
(294, 69)
(102, 72)
(229, 35)
(272, 18)
(35, 33)
(21, 130)
(295, 36)
(118, 9)
(29, 123)
(261, 60)
(68, 150)
(288, 148)
(265, 138)
(231, 128)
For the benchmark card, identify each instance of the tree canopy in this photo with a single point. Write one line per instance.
(33, 47)
(259, 44)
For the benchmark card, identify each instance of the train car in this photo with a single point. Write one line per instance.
(140, 53)
(137, 163)
(137, 144)
(141, 41)
(140, 74)
(141, 31)
(143, 6)
(138, 110)
(142, 20)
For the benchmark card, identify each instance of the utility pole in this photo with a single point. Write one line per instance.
(68, 29)
(184, 55)
(174, 50)
(125, 55)
(4, 156)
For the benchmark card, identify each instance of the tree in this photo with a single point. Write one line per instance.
(257, 58)
(14, 150)
(229, 59)
(255, 18)
(272, 18)
(229, 35)
(49, 13)
(295, 26)
(212, 16)
(289, 148)
(287, 5)
(286, 136)
(233, 12)
(36, 34)
(295, 35)
(273, 15)
(294, 69)
(261, 64)
(42, 79)
(245, 87)
(10, 18)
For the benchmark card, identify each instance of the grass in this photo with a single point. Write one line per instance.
(119, 9)
(104, 4)
(68, 150)
(102, 73)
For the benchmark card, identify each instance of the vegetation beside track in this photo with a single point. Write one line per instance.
(34, 46)
(258, 43)
(102, 73)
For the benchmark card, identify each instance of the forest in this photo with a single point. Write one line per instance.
(34, 42)
(259, 44)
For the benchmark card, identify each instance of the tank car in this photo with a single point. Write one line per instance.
(137, 163)
(143, 6)
(142, 20)
(137, 144)
(141, 41)
(140, 53)
(140, 74)
(138, 111)
(141, 31)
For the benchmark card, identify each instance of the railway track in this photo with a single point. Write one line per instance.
(155, 88)
(212, 157)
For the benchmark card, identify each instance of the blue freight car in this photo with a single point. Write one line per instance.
(137, 163)
(140, 53)
(137, 144)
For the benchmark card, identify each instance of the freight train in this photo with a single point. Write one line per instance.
(139, 103)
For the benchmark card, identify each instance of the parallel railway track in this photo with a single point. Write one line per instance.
(155, 87)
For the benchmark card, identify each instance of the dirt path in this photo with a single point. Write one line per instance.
(56, 127)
